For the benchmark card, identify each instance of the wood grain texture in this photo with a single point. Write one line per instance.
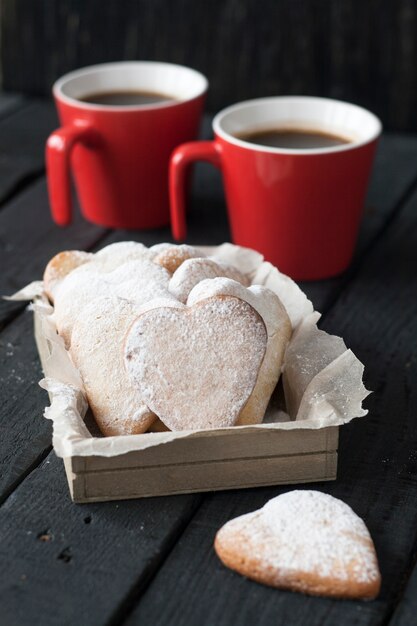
(217, 446)
(9, 103)
(405, 612)
(64, 564)
(24, 434)
(183, 478)
(23, 133)
(377, 316)
(31, 239)
(364, 52)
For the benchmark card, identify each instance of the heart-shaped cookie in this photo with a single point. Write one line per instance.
(105, 260)
(95, 350)
(60, 266)
(174, 256)
(193, 271)
(303, 541)
(196, 367)
(139, 281)
(278, 327)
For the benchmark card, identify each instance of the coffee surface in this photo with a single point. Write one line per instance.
(295, 138)
(125, 98)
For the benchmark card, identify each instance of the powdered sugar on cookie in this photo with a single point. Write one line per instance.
(278, 327)
(193, 271)
(306, 541)
(96, 351)
(138, 281)
(60, 266)
(197, 366)
(174, 256)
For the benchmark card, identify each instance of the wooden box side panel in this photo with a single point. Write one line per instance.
(198, 477)
(76, 481)
(219, 446)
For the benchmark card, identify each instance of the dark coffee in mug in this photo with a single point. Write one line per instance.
(126, 98)
(294, 138)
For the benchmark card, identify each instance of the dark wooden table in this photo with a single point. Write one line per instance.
(151, 561)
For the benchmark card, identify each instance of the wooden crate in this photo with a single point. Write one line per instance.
(207, 461)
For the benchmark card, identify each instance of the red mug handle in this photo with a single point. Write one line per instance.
(58, 154)
(181, 158)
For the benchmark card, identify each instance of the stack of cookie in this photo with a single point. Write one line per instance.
(167, 338)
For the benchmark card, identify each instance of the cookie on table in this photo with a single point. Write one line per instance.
(96, 352)
(303, 541)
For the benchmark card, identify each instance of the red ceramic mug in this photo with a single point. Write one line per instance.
(300, 208)
(119, 154)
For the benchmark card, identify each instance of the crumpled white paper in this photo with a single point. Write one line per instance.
(322, 379)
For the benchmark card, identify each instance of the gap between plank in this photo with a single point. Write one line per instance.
(21, 185)
(39, 459)
(402, 588)
(13, 315)
(20, 104)
(129, 602)
(19, 107)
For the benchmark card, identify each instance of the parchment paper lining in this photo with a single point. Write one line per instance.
(322, 379)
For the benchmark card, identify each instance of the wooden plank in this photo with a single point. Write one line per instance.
(206, 476)
(24, 434)
(25, 133)
(359, 51)
(22, 138)
(31, 239)
(9, 103)
(240, 444)
(66, 564)
(377, 316)
(405, 612)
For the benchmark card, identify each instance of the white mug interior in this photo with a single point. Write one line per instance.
(175, 81)
(346, 120)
